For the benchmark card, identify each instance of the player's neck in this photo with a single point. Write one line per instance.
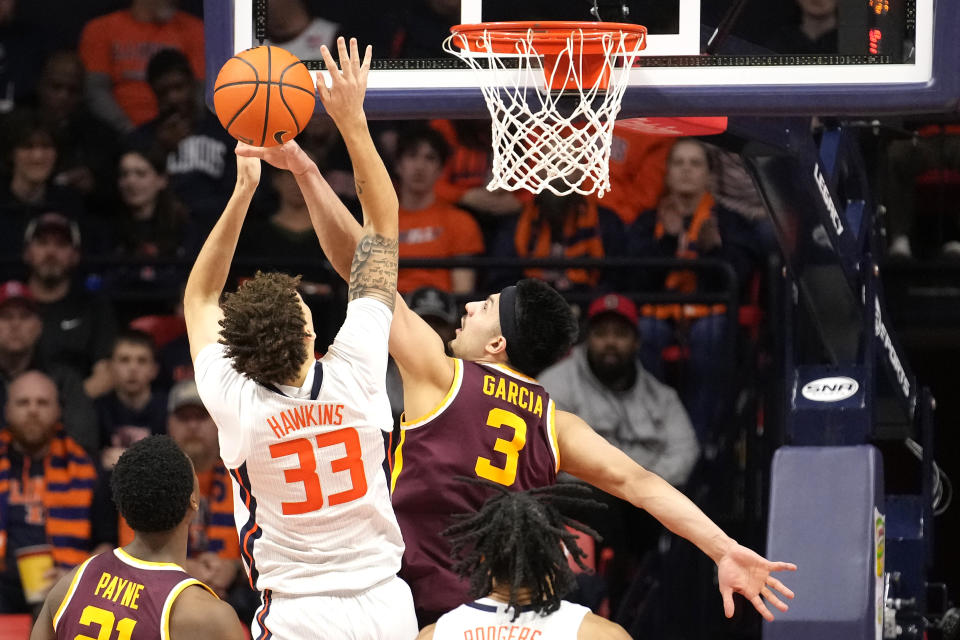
(164, 546)
(487, 358)
(308, 364)
(501, 593)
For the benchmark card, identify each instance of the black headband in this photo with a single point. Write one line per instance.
(508, 318)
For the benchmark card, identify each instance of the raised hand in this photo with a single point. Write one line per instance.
(343, 99)
(287, 156)
(746, 572)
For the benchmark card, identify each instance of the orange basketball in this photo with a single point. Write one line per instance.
(264, 96)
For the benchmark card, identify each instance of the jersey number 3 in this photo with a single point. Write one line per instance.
(306, 473)
(507, 474)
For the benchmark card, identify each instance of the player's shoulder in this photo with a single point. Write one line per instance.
(593, 627)
(197, 613)
(60, 590)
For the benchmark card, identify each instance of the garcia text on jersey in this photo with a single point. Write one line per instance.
(513, 393)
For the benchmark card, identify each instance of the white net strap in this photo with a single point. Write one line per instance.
(542, 139)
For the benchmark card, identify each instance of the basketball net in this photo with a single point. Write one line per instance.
(552, 117)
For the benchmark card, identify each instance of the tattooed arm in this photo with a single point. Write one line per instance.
(373, 273)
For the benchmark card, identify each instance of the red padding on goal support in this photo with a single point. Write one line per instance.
(676, 126)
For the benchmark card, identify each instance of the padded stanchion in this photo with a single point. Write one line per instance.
(824, 508)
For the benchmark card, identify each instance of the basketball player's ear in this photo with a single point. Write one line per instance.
(497, 345)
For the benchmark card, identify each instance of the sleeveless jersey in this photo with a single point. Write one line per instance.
(311, 502)
(114, 590)
(488, 619)
(494, 423)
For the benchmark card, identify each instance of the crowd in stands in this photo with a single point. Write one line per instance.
(113, 171)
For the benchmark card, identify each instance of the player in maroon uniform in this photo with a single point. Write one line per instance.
(481, 413)
(141, 590)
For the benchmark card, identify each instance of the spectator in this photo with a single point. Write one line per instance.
(133, 410)
(29, 189)
(116, 48)
(814, 31)
(78, 326)
(86, 145)
(292, 27)
(555, 226)
(687, 224)
(637, 167)
(430, 228)
(21, 54)
(603, 382)
(20, 327)
(439, 310)
(46, 486)
(152, 222)
(199, 151)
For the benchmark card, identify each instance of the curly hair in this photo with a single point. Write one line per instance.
(546, 327)
(517, 538)
(152, 483)
(263, 328)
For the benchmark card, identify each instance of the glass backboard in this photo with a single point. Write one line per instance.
(703, 57)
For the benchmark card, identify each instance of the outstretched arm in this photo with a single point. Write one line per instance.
(588, 456)
(415, 346)
(201, 298)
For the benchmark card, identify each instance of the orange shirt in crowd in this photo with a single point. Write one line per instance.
(581, 239)
(120, 46)
(438, 231)
(638, 164)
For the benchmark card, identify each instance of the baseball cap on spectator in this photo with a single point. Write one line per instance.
(183, 394)
(53, 223)
(14, 291)
(434, 303)
(614, 303)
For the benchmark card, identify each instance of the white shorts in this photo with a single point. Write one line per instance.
(384, 612)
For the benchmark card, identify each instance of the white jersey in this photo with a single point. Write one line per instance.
(310, 496)
(487, 619)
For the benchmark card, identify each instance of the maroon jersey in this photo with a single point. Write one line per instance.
(494, 423)
(114, 590)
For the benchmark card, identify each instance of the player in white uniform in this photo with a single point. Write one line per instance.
(302, 437)
(512, 552)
